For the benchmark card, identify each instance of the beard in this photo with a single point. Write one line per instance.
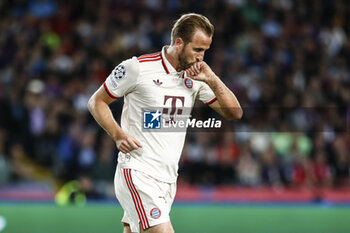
(183, 61)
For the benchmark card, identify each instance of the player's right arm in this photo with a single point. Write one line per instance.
(120, 82)
(98, 106)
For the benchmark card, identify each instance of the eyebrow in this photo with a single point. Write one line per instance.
(199, 48)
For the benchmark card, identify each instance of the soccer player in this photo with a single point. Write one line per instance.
(145, 179)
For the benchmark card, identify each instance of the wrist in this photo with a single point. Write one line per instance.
(117, 136)
(212, 79)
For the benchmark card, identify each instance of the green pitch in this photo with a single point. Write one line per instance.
(41, 218)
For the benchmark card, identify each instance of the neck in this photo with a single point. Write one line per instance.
(172, 56)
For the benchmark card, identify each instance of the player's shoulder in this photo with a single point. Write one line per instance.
(150, 58)
(129, 66)
(131, 63)
(150, 61)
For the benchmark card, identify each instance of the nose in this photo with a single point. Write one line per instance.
(200, 57)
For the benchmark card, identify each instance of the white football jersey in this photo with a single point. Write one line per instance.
(147, 82)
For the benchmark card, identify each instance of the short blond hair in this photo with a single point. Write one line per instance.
(186, 25)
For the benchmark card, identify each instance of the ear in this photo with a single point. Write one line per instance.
(179, 44)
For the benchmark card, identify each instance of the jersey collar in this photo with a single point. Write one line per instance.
(166, 64)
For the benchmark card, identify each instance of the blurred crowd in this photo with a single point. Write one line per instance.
(287, 54)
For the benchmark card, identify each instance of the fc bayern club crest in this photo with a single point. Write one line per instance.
(155, 213)
(188, 83)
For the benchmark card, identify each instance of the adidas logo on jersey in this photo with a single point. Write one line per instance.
(158, 83)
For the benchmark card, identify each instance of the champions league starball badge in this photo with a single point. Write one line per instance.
(119, 72)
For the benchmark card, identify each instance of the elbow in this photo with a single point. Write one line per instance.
(91, 103)
(235, 114)
(239, 114)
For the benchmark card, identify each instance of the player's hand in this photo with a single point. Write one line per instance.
(128, 144)
(200, 71)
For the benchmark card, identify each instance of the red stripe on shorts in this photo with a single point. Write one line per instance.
(136, 199)
(139, 198)
(133, 198)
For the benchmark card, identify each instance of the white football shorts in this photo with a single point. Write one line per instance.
(146, 201)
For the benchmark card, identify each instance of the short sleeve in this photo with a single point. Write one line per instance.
(205, 94)
(123, 78)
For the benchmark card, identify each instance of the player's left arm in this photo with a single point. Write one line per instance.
(226, 104)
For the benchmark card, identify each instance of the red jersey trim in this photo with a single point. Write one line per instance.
(150, 59)
(149, 56)
(109, 93)
(211, 101)
(163, 63)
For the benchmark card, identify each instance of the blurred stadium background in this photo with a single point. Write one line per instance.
(285, 167)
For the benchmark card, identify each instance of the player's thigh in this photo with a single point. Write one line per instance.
(160, 228)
